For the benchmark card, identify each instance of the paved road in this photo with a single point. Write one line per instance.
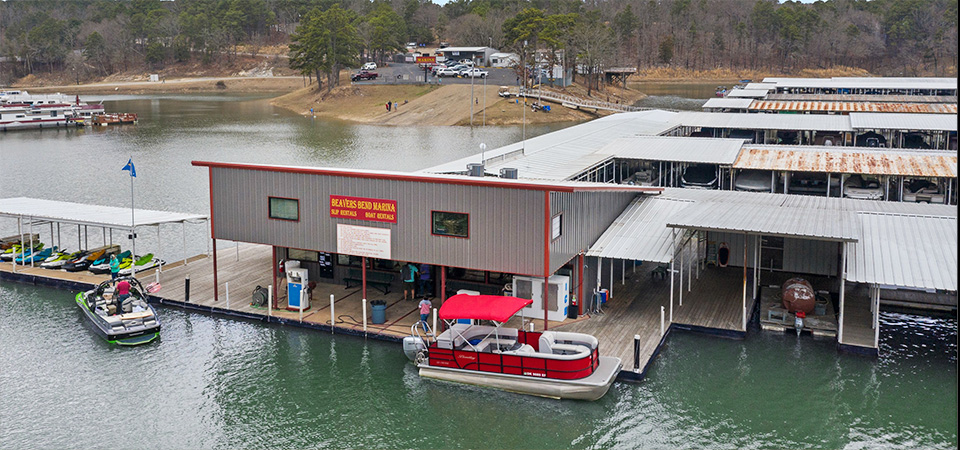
(407, 73)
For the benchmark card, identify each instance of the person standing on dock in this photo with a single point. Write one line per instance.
(425, 281)
(409, 274)
(114, 267)
(425, 306)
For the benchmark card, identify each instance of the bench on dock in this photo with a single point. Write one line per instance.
(484, 289)
(379, 280)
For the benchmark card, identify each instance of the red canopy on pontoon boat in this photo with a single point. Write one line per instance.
(483, 307)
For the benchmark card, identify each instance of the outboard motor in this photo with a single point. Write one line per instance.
(413, 345)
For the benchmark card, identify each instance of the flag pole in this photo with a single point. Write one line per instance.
(133, 229)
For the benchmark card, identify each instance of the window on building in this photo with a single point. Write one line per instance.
(451, 224)
(284, 208)
(556, 227)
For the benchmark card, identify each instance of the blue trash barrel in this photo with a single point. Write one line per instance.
(379, 313)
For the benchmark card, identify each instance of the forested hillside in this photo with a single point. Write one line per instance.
(99, 37)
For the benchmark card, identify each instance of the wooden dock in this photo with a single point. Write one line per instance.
(713, 304)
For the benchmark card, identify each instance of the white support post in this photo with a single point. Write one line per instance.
(270, 300)
(623, 272)
(662, 326)
(843, 283)
(745, 241)
(672, 258)
(364, 316)
(689, 267)
(333, 316)
(228, 294)
(681, 276)
(756, 265)
(434, 329)
(609, 294)
(22, 250)
(156, 274)
(158, 246)
(183, 233)
(876, 320)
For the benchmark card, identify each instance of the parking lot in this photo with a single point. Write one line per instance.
(409, 73)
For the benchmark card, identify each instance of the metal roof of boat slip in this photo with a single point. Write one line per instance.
(747, 93)
(770, 219)
(805, 122)
(564, 153)
(847, 107)
(677, 149)
(727, 102)
(865, 83)
(905, 250)
(83, 214)
(903, 121)
(827, 159)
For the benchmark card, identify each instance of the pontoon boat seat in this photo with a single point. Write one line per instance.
(550, 346)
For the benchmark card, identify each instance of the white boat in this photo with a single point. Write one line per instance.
(21, 116)
(551, 364)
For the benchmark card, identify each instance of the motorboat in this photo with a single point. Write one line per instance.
(813, 183)
(864, 189)
(754, 181)
(699, 176)
(551, 364)
(922, 191)
(132, 322)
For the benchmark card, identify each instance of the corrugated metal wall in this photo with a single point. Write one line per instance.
(506, 225)
(586, 215)
(799, 255)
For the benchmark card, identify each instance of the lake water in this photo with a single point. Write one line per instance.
(213, 382)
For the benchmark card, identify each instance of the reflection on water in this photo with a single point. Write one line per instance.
(212, 382)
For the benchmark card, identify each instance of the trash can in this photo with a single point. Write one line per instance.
(379, 311)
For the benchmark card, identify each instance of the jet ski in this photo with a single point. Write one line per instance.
(102, 265)
(142, 263)
(58, 260)
(35, 257)
(83, 262)
(15, 251)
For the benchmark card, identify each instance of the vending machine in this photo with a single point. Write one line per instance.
(297, 280)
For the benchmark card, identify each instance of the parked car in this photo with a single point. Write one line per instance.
(699, 176)
(922, 191)
(754, 181)
(369, 66)
(856, 186)
(449, 71)
(364, 75)
(474, 73)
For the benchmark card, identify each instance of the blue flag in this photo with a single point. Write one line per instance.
(129, 166)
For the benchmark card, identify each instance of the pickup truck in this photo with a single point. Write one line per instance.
(473, 72)
(364, 75)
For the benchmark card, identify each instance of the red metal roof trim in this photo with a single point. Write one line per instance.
(482, 307)
(437, 179)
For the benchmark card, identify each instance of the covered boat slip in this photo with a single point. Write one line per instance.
(836, 243)
(33, 215)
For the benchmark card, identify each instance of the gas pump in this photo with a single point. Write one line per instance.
(297, 280)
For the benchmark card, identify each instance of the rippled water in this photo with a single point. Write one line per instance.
(213, 382)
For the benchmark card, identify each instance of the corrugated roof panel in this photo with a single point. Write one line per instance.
(848, 160)
(671, 148)
(905, 250)
(812, 223)
(727, 102)
(78, 213)
(747, 93)
(905, 122)
(799, 122)
(640, 233)
(892, 98)
(864, 83)
(849, 107)
(582, 139)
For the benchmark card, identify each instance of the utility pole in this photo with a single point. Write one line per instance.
(470, 71)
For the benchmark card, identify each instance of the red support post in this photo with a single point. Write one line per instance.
(546, 256)
(443, 291)
(580, 283)
(274, 272)
(216, 287)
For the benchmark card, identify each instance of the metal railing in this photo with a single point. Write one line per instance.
(578, 102)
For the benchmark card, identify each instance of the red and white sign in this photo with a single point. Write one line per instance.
(373, 209)
(363, 241)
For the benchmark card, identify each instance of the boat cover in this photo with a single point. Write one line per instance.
(482, 307)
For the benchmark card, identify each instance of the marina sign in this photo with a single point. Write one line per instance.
(363, 241)
(426, 60)
(373, 209)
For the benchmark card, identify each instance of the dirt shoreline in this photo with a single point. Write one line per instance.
(178, 86)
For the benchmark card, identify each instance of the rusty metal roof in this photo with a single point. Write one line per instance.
(848, 107)
(882, 98)
(848, 160)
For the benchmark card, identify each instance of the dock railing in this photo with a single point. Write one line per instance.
(577, 102)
